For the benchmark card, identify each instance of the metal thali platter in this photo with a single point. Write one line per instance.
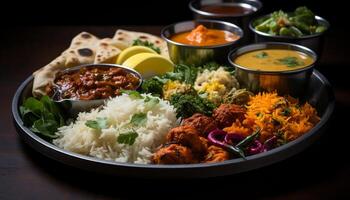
(320, 95)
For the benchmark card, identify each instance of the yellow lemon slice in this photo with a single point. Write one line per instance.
(149, 64)
(131, 51)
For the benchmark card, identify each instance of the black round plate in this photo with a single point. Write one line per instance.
(320, 95)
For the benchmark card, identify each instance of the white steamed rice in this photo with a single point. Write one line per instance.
(79, 138)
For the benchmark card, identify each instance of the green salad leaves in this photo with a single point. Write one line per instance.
(42, 116)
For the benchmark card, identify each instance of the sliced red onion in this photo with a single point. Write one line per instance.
(217, 137)
(256, 147)
(233, 138)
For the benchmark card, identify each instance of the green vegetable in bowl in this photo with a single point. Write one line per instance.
(42, 116)
(296, 24)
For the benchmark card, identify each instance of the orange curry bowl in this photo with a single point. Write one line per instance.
(201, 41)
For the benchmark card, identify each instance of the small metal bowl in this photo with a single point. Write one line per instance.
(314, 41)
(75, 106)
(292, 82)
(197, 55)
(241, 20)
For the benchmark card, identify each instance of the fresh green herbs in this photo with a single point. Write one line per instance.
(132, 94)
(138, 119)
(153, 86)
(182, 73)
(127, 138)
(151, 102)
(188, 104)
(290, 61)
(148, 44)
(262, 54)
(98, 124)
(42, 116)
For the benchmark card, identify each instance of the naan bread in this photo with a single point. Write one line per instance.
(106, 51)
(124, 39)
(86, 48)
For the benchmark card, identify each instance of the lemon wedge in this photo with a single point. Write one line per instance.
(149, 64)
(131, 51)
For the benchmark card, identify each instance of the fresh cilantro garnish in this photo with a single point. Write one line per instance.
(138, 119)
(261, 55)
(148, 44)
(150, 102)
(127, 138)
(290, 61)
(132, 94)
(98, 124)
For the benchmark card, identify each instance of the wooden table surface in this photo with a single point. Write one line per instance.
(321, 171)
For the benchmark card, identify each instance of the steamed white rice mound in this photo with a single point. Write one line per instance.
(118, 111)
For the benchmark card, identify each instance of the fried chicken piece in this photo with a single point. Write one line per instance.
(173, 154)
(187, 136)
(202, 123)
(226, 114)
(216, 154)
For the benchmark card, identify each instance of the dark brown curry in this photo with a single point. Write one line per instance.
(93, 83)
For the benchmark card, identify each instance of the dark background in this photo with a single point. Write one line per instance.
(141, 12)
(32, 34)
